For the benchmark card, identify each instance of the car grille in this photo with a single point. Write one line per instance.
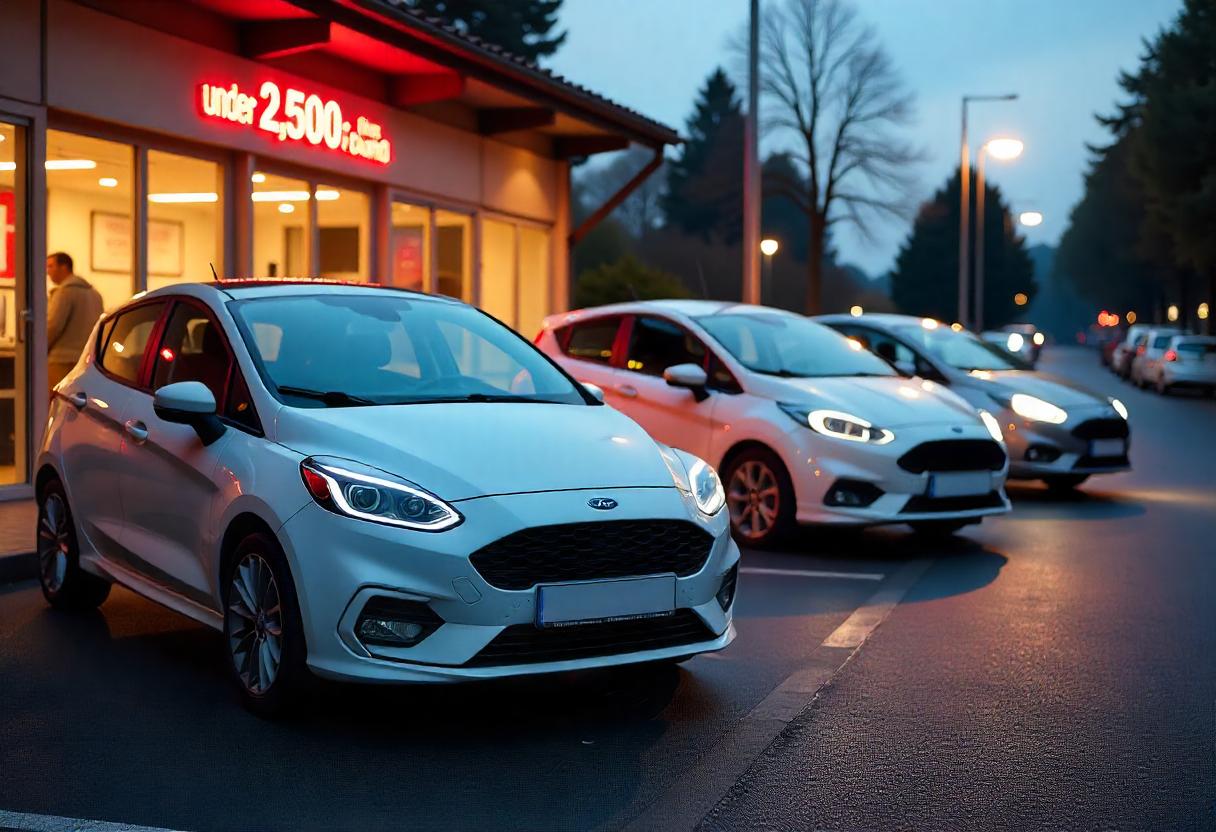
(920, 503)
(593, 551)
(1102, 462)
(954, 455)
(527, 644)
(1101, 429)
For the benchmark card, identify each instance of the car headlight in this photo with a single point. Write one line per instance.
(1036, 410)
(839, 425)
(1119, 407)
(355, 490)
(696, 477)
(993, 426)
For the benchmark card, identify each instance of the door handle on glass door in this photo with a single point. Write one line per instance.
(78, 399)
(137, 430)
(627, 390)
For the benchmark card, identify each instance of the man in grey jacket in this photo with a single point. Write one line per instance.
(72, 310)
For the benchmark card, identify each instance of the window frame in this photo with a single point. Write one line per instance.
(711, 354)
(142, 377)
(566, 332)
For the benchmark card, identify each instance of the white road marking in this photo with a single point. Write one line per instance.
(858, 626)
(52, 823)
(813, 573)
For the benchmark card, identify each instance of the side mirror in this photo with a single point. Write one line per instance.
(189, 403)
(595, 390)
(689, 376)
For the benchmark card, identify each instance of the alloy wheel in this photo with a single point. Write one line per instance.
(53, 542)
(255, 623)
(754, 498)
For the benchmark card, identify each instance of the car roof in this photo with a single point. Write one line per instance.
(687, 308)
(219, 290)
(880, 318)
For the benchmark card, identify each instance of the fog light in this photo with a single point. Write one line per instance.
(726, 595)
(395, 622)
(852, 494)
(387, 631)
(1042, 453)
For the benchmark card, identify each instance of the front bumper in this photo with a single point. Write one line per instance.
(1066, 448)
(817, 463)
(340, 563)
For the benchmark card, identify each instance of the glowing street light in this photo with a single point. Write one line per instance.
(769, 246)
(1202, 312)
(856, 311)
(1020, 299)
(1030, 219)
(1002, 149)
(1172, 312)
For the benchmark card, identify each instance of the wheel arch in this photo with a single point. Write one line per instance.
(45, 474)
(239, 527)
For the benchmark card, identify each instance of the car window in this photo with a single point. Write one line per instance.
(656, 344)
(961, 350)
(238, 404)
(784, 344)
(1161, 342)
(122, 352)
(344, 350)
(1196, 349)
(593, 340)
(192, 349)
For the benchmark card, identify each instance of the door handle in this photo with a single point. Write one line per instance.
(136, 429)
(78, 399)
(627, 390)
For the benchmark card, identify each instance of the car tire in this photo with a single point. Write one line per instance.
(1064, 482)
(64, 584)
(938, 529)
(1162, 387)
(759, 497)
(263, 629)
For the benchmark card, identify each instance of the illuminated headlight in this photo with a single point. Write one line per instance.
(695, 477)
(1119, 407)
(840, 425)
(1036, 410)
(355, 490)
(993, 426)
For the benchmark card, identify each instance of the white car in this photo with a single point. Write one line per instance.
(804, 424)
(1148, 356)
(1189, 361)
(376, 485)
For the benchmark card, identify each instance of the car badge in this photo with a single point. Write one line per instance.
(602, 503)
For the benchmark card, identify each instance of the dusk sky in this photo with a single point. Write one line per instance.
(1063, 59)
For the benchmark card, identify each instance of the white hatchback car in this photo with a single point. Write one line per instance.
(804, 424)
(372, 485)
(1189, 361)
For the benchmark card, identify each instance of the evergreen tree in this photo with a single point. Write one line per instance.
(925, 278)
(704, 185)
(521, 27)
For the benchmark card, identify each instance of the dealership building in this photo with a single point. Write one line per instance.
(346, 139)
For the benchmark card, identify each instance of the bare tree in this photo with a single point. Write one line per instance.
(827, 82)
(640, 213)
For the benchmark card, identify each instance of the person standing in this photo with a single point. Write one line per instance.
(72, 310)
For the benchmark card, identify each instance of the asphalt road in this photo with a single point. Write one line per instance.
(1052, 669)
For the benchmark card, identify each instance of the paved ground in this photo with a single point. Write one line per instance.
(1055, 669)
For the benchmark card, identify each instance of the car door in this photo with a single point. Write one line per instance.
(590, 348)
(167, 483)
(675, 416)
(93, 407)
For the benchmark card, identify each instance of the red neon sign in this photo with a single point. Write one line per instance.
(292, 115)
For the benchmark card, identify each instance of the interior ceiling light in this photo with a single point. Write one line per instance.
(184, 198)
(70, 164)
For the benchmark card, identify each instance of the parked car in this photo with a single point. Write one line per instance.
(1125, 351)
(1055, 431)
(1015, 343)
(805, 425)
(1148, 356)
(1189, 361)
(371, 484)
(1030, 347)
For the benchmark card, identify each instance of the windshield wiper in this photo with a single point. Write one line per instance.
(333, 398)
(782, 373)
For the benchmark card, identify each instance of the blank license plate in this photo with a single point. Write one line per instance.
(560, 605)
(961, 484)
(1106, 447)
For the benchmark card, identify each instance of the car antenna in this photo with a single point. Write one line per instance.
(213, 274)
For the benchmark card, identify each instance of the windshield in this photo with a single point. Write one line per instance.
(347, 350)
(961, 350)
(784, 344)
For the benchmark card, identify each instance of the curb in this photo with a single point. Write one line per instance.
(18, 567)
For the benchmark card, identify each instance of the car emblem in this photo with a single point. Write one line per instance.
(602, 503)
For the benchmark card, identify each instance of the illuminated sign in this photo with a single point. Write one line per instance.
(295, 116)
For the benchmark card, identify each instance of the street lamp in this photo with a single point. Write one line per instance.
(1030, 219)
(1003, 150)
(768, 247)
(965, 203)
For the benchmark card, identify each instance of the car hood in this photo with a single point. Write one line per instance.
(1005, 383)
(888, 401)
(461, 451)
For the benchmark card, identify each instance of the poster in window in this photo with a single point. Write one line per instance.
(407, 257)
(165, 248)
(110, 243)
(8, 227)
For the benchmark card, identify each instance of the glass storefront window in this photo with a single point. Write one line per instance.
(410, 246)
(89, 195)
(281, 233)
(13, 361)
(343, 231)
(533, 279)
(498, 270)
(453, 249)
(185, 230)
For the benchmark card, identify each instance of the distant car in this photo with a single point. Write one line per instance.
(805, 425)
(1032, 341)
(1189, 361)
(1125, 350)
(372, 484)
(1055, 431)
(1015, 343)
(1148, 356)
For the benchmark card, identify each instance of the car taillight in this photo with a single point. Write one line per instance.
(1171, 355)
(1140, 350)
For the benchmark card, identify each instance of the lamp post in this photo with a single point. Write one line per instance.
(965, 203)
(751, 162)
(768, 247)
(1003, 150)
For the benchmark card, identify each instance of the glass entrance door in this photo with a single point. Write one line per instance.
(14, 332)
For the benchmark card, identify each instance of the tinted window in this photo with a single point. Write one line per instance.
(593, 340)
(656, 344)
(192, 349)
(238, 404)
(1196, 349)
(961, 350)
(785, 344)
(1161, 342)
(341, 350)
(122, 354)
